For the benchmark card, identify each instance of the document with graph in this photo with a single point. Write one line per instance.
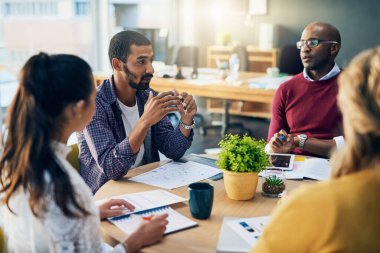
(175, 174)
(177, 221)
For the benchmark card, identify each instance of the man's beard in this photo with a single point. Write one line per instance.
(144, 80)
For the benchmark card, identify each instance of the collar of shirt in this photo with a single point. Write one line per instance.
(61, 149)
(333, 72)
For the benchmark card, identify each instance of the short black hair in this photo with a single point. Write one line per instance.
(120, 44)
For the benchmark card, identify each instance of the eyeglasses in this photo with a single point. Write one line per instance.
(314, 42)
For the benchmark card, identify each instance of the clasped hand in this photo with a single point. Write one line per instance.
(170, 101)
(282, 142)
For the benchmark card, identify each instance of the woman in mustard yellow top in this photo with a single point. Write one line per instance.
(343, 214)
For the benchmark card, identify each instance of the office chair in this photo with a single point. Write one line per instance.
(171, 55)
(184, 56)
(73, 157)
(289, 60)
(235, 128)
(187, 56)
(2, 241)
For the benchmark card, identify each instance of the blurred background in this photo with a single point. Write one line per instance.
(84, 28)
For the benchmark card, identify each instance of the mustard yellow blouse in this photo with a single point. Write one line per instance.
(340, 215)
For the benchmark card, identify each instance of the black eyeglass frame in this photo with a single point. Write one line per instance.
(310, 43)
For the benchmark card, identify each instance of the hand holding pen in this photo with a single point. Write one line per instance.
(282, 142)
(150, 231)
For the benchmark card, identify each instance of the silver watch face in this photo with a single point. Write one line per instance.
(302, 136)
(302, 139)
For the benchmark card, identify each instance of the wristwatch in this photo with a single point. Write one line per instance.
(187, 127)
(301, 140)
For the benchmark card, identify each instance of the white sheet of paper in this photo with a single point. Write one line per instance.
(148, 199)
(212, 150)
(316, 168)
(175, 174)
(229, 241)
(252, 229)
(296, 173)
(266, 82)
(311, 167)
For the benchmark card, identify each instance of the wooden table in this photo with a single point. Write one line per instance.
(222, 90)
(203, 238)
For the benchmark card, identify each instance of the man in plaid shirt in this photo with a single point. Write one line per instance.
(130, 125)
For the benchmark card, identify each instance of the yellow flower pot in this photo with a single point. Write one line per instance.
(240, 186)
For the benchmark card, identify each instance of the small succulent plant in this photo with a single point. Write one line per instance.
(274, 180)
(273, 185)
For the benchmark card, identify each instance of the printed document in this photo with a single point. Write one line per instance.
(313, 168)
(238, 235)
(173, 175)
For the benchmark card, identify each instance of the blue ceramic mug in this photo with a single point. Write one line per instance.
(201, 197)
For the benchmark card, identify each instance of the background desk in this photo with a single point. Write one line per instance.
(201, 239)
(260, 99)
(221, 90)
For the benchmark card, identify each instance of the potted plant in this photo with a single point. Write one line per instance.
(273, 183)
(241, 159)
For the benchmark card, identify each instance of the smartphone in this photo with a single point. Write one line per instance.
(281, 161)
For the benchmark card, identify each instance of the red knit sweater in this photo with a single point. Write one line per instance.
(304, 107)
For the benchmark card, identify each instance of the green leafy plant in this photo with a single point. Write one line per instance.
(242, 154)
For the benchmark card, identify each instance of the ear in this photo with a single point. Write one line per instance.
(78, 109)
(334, 49)
(117, 64)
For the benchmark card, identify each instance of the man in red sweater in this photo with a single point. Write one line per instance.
(305, 115)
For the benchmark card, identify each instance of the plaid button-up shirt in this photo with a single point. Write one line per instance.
(104, 149)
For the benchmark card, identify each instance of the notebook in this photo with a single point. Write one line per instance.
(147, 200)
(177, 221)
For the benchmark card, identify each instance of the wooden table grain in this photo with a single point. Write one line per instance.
(201, 239)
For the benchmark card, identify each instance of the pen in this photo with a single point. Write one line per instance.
(147, 218)
(246, 226)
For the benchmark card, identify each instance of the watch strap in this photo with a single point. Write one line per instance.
(187, 127)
